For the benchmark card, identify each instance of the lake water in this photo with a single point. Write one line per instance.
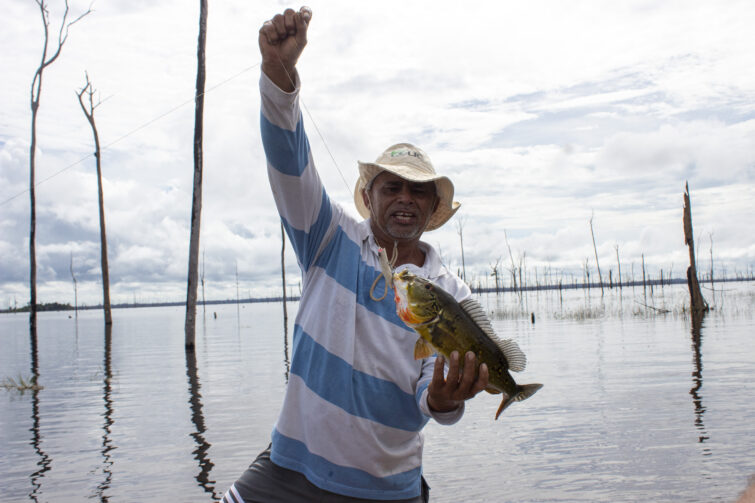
(638, 405)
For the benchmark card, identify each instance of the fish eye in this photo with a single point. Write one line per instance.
(428, 286)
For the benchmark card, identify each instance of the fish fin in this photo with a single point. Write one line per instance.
(492, 390)
(526, 391)
(422, 349)
(514, 355)
(507, 400)
(523, 392)
(477, 313)
(515, 358)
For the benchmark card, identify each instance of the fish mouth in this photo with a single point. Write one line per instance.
(403, 306)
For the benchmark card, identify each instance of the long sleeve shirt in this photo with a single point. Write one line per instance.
(356, 400)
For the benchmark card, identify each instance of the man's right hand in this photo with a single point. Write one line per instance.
(282, 40)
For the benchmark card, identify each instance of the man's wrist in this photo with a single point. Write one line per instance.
(280, 76)
(444, 407)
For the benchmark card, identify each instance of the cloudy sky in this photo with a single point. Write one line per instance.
(545, 114)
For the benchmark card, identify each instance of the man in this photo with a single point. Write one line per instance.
(356, 402)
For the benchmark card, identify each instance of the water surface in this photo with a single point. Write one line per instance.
(637, 405)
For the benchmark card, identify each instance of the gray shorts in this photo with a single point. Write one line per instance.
(266, 482)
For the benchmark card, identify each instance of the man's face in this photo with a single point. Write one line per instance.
(401, 209)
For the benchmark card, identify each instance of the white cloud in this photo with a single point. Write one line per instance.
(543, 115)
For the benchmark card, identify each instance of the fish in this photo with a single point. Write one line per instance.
(445, 325)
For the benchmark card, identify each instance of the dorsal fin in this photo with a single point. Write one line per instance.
(514, 356)
(477, 313)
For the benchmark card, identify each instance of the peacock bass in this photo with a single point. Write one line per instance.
(445, 325)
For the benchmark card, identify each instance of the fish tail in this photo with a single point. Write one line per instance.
(523, 392)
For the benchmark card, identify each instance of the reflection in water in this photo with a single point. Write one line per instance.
(107, 443)
(697, 377)
(36, 436)
(285, 308)
(285, 346)
(197, 417)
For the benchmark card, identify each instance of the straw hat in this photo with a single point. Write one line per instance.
(413, 164)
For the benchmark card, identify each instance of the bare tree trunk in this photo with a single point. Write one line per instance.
(511, 257)
(36, 91)
(89, 113)
(618, 264)
(196, 205)
(587, 273)
(597, 263)
(495, 268)
(460, 231)
(697, 302)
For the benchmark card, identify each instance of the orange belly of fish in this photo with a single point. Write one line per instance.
(408, 317)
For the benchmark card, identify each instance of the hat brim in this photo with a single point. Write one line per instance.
(446, 209)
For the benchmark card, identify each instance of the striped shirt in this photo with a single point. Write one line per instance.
(356, 401)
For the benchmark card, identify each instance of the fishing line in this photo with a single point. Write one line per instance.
(133, 131)
(317, 129)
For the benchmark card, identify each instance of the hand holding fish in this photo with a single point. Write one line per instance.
(448, 328)
(282, 40)
(447, 393)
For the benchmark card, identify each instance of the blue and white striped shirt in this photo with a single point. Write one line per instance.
(356, 400)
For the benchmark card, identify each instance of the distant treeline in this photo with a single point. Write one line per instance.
(52, 306)
(582, 285)
(476, 288)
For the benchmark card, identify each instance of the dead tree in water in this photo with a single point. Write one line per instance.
(460, 231)
(644, 282)
(89, 113)
(697, 302)
(36, 91)
(618, 264)
(196, 203)
(513, 265)
(495, 268)
(597, 263)
(586, 271)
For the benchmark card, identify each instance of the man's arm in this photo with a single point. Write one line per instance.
(282, 40)
(308, 215)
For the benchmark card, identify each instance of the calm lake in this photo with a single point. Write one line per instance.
(638, 404)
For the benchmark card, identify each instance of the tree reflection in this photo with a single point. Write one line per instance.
(197, 417)
(36, 436)
(697, 375)
(286, 360)
(107, 443)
